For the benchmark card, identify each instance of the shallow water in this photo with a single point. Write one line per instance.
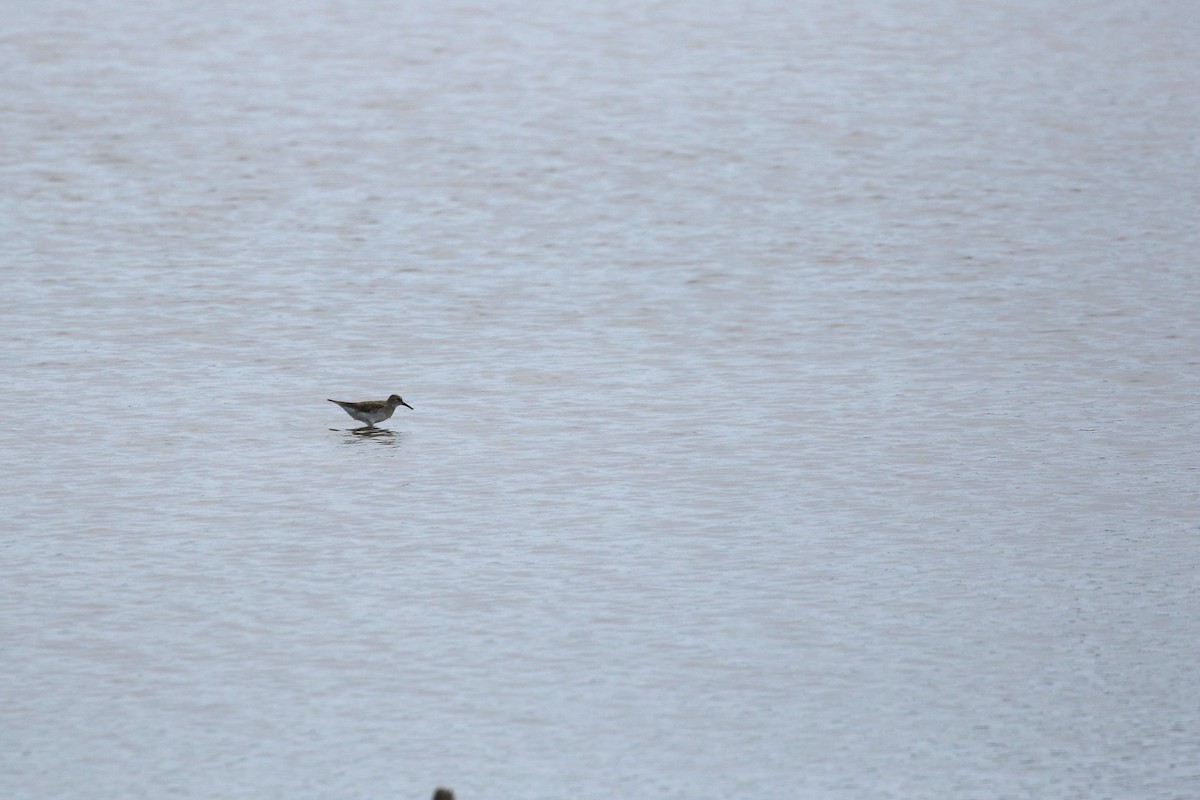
(805, 400)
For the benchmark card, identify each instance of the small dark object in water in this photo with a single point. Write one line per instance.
(372, 411)
(442, 794)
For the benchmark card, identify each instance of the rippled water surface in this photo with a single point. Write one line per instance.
(805, 400)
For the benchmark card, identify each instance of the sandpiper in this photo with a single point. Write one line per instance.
(442, 793)
(372, 411)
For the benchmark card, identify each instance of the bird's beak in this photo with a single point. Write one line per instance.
(406, 405)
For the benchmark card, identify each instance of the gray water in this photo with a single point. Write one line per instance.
(805, 400)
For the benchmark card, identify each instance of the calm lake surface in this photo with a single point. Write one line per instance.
(805, 400)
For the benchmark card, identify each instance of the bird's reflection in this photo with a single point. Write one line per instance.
(369, 434)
